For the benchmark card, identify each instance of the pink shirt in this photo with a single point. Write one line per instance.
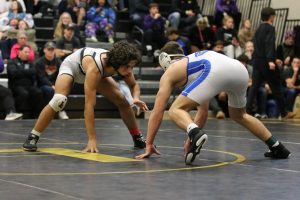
(15, 49)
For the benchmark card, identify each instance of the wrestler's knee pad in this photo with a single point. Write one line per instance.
(58, 102)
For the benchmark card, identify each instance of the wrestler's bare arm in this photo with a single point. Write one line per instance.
(92, 80)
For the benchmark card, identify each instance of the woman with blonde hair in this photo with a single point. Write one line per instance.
(245, 33)
(201, 35)
(64, 20)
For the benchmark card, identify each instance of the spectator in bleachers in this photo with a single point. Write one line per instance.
(7, 101)
(8, 104)
(119, 4)
(100, 17)
(39, 8)
(16, 11)
(292, 78)
(22, 40)
(219, 47)
(6, 5)
(22, 78)
(24, 27)
(47, 67)
(286, 51)
(138, 9)
(201, 35)
(5, 46)
(227, 34)
(76, 8)
(154, 29)
(184, 42)
(184, 13)
(227, 8)
(245, 33)
(68, 43)
(249, 49)
(63, 21)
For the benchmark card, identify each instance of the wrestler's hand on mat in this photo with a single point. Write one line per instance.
(140, 104)
(186, 146)
(150, 149)
(91, 147)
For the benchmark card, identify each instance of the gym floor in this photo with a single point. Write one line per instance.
(230, 166)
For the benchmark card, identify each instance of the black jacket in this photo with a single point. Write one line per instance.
(21, 73)
(264, 43)
(47, 70)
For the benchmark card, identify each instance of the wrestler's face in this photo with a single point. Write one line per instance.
(126, 70)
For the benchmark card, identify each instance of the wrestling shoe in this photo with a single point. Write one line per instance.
(278, 152)
(198, 139)
(139, 141)
(30, 143)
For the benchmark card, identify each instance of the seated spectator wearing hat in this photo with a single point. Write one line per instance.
(285, 52)
(22, 78)
(22, 40)
(68, 43)
(48, 67)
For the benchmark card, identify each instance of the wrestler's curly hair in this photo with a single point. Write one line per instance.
(122, 53)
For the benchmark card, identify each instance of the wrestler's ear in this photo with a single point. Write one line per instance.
(164, 60)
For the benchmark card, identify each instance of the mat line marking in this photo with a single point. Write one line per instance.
(41, 189)
(277, 169)
(239, 158)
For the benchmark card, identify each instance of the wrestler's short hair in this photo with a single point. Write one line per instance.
(170, 51)
(122, 53)
(172, 47)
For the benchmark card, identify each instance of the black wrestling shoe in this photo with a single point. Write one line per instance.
(30, 143)
(139, 141)
(278, 152)
(198, 139)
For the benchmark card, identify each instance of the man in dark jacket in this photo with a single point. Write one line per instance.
(7, 101)
(264, 68)
(22, 78)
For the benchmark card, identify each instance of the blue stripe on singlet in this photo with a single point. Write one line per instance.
(195, 67)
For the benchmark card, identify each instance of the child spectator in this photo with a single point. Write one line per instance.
(154, 29)
(227, 34)
(100, 18)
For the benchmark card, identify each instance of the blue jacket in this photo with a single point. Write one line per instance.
(106, 12)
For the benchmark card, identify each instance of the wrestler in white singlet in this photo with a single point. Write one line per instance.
(72, 64)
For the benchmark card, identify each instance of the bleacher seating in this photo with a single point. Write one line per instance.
(147, 73)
